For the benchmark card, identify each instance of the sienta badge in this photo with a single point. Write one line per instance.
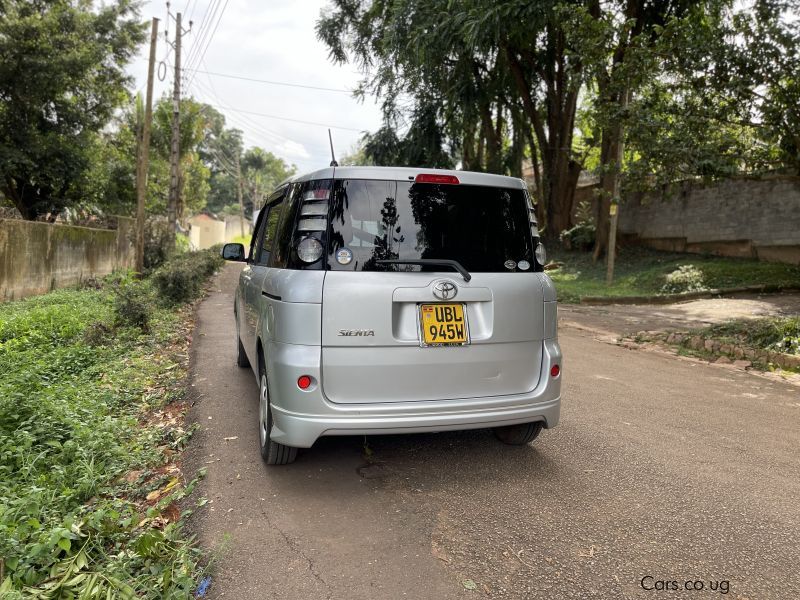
(510, 265)
(344, 256)
(523, 265)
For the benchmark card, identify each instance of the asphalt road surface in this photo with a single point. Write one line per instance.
(665, 472)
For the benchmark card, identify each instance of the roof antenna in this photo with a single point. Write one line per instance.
(333, 156)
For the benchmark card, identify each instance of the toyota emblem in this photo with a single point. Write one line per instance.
(445, 290)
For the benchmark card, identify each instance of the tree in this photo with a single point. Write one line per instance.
(617, 41)
(263, 172)
(472, 70)
(61, 77)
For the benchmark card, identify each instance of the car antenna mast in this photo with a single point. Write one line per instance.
(333, 156)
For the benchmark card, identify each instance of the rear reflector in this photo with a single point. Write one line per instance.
(432, 178)
(304, 382)
(555, 370)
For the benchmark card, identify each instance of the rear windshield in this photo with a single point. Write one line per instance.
(486, 229)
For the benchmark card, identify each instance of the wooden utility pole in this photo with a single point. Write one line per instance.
(613, 210)
(174, 157)
(144, 152)
(239, 191)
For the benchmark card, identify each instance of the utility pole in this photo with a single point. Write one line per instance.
(144, 152)
(239, 191)
(174, 157)
(613, 210)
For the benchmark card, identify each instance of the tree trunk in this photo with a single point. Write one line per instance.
(494, 143)
(468, 148)
(559, 171)
(541, 215)
(517, 144)
(611, 161)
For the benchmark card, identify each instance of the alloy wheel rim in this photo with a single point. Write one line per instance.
(263, 403)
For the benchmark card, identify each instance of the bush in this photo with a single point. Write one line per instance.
(686, 278)
(582, 235)
(71, 428)
(132, 305)
(180, 279)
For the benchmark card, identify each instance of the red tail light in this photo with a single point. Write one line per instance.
(432, 178)
(555, 371)
(304, 382)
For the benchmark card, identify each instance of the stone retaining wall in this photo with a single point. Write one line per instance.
(737, 217)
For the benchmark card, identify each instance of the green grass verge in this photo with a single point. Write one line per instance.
(242, 239)
(90, 414)
(642, 272)
(777, 334)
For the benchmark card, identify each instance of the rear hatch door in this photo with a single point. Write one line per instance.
(405, 332)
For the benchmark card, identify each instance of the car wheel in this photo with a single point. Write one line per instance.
(241, 356)
(272, 452)
(518, 435)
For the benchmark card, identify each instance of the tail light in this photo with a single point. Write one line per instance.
(433, 178)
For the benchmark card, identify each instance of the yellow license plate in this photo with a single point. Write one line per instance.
(443, 324)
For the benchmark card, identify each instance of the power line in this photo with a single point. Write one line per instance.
(258, 114)
(224, 106)
(271, 82)
(210, 39)
(249, 123)
(211, 9)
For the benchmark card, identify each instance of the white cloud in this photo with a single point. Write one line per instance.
(275, 41)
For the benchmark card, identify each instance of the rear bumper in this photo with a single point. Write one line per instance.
(300, 417)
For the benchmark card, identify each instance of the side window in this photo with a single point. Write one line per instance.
(258, 231)
(283, 236)
(271, 218)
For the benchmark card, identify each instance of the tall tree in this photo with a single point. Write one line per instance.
(263, 171)
(61, 77)
(476, 63)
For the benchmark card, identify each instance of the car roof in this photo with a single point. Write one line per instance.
(406, 174)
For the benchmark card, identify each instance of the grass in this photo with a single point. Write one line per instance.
(242, 239)
(777, 334)
(90, 416)
(642, 272)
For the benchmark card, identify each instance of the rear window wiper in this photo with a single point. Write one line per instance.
(454, 264)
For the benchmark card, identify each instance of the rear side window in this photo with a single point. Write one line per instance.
(486, 229)
(270, 225)
(283, 236)
(305, 216)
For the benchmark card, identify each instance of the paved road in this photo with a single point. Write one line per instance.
(662, 467)
(621, 319)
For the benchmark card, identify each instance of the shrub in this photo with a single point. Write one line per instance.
(156, 243)
(132, 305)
(686, 278)
(582, 235)
(180, 279)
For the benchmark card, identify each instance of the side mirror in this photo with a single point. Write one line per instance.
(233, 252)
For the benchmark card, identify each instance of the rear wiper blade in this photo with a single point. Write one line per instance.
(429, 261)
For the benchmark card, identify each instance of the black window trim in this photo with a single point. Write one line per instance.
(275, 199)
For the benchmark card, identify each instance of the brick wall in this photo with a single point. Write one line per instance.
(736, 217)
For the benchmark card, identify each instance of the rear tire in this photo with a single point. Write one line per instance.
(241, 357)
(518, 435)
(272, 452)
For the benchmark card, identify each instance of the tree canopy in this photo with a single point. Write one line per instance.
(61, 77)
(688, 89)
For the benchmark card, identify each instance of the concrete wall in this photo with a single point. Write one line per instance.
(233, 227)
(36, 258)
(205, 232)
(737, 217)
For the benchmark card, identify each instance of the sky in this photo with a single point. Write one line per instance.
(267, 40)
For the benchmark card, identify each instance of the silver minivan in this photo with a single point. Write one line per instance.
(379, 300)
